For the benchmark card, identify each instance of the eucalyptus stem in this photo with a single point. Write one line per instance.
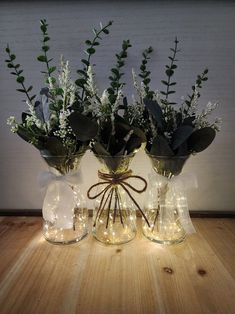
(116, 72)
(94, 43)
(45, 48)
(18, 73)
(144, 74)
(200, 78)
(172, 62)
(170, 72)
(81, 82)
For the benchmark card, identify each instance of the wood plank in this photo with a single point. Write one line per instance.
(138, 277)
(229, 224)
(220, 235)
(15, 234)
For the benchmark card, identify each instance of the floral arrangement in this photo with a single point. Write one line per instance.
(68, 117)
(117, 135)
(46, 121)
(172, 129)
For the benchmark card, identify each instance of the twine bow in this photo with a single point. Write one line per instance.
(110, 183)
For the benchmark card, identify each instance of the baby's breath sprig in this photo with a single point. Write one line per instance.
(45, 48)
(17, 71)
(82, 80)
(144, 73)
(115, 84)
(170, 69)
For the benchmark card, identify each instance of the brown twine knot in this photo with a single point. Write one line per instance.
(110, 181)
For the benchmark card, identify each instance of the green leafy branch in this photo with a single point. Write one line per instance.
(81, 82)
(116, 72)
(144, 74)
(17, 71)
(170, 69)
(45, 48)
(200, 79)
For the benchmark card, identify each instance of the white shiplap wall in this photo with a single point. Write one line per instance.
(206, 30)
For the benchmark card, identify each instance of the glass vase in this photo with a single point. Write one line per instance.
(165, 201)
(114, 219)
(65, 214)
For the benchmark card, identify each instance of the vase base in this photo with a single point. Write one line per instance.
(65, 242)
(111, 241)
(55, 235)
(166, 241)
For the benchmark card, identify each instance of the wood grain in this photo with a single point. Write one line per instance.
(195, 277)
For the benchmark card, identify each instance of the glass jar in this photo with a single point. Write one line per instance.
(114, 219)
(165, 201)
(64, 209)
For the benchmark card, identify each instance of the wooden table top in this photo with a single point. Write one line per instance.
(196, 276)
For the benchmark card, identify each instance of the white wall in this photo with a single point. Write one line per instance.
(206, 33)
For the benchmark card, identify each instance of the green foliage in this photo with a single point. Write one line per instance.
(116, 74)
(41, 125)
(161, 147)
(45, 48)
(90, 50)
(29, 136)
(52, 146)
(201, 139)
(83, 127)
(177, 133)
(170, 69)
(144, 73)
(200, 79)
(17, 72)
(156, 111)
(180, 135)
(126, 139)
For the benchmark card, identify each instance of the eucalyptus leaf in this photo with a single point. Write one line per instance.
(160, 147)
(20, 79)
(42, 58)
(181, 135)
(99, 149)
(155, 110)
(52, 146)
(133, 144)
(201, 139)
(139, 133)
(189, 120)
(28, 136)
(183, 149)
(83, 127)
(41, 106)
(24, 134)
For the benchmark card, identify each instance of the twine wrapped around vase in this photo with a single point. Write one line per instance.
(111, 183)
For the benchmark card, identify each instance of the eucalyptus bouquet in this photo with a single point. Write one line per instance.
(114, 145)
(174, 132)
(62, 138)
(116, 136)
(46, 120)
(172, 129)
